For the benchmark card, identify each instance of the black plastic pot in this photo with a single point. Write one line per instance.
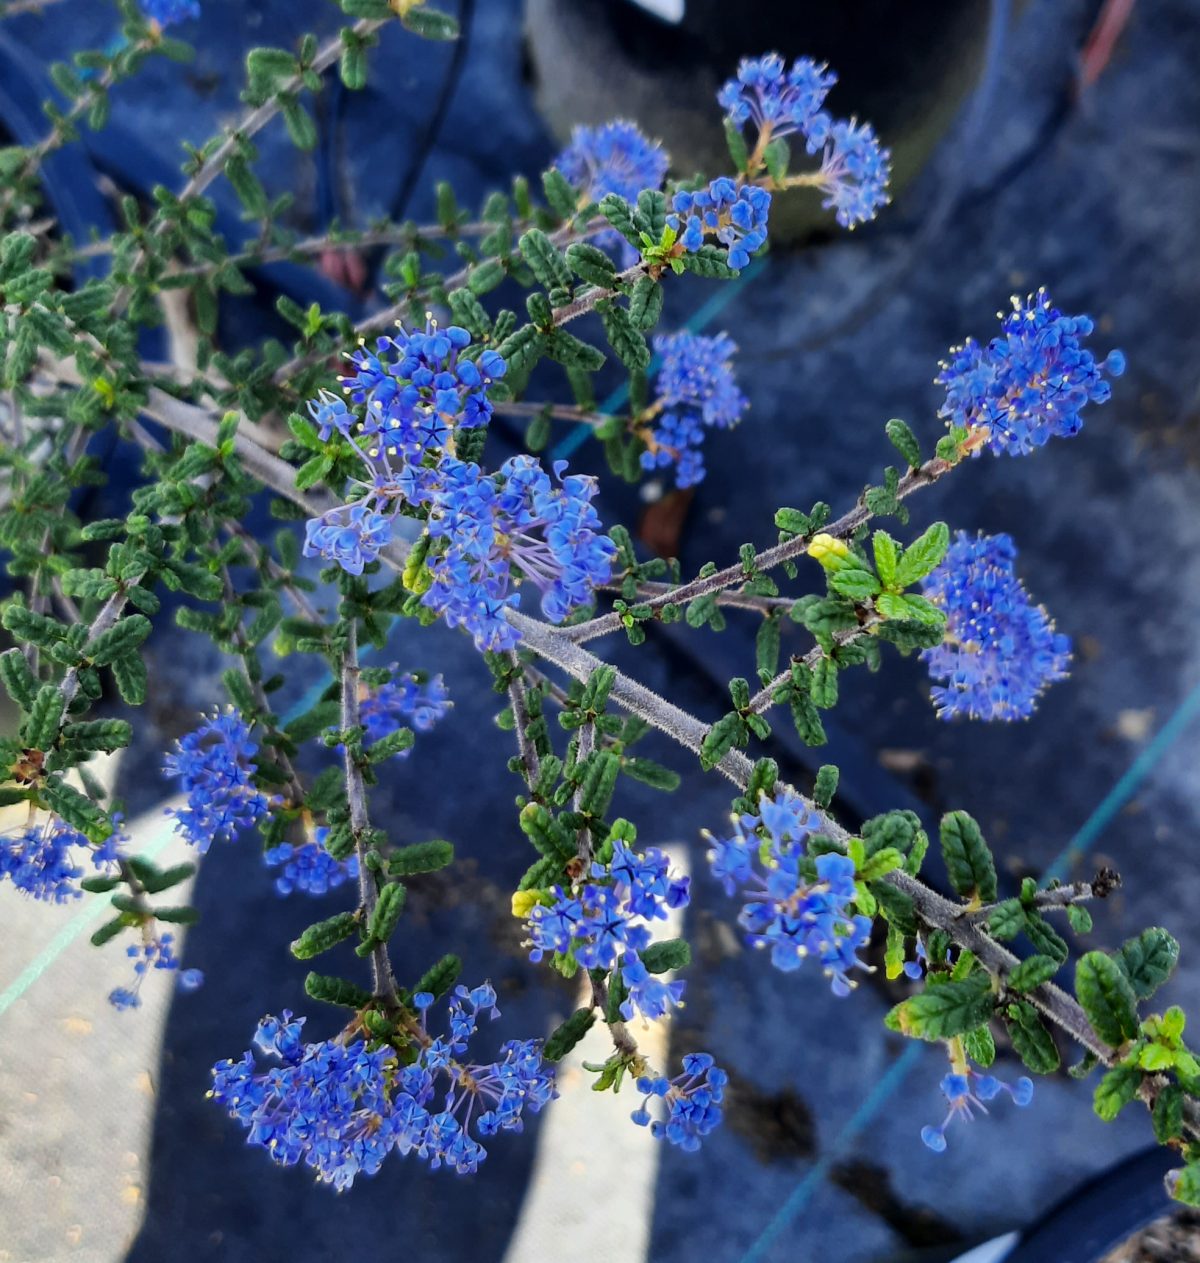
(1094, 1219)
(904, 66)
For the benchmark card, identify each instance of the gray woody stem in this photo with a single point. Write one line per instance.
(356, 793)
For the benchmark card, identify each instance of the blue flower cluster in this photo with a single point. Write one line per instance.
(615, 158)
(414, 388)
(1031, 383)
(215, 764)
(341, 1107)
(309, 867)
(519, 520)
(594, 922)
(352, 535)
(168, 12)
(735, 214)
(693, 1101)
(854, 173)
(489, 531)
(695, 389)
(784, 101)
(967, 1092)
(855, 168)
(155, 952)
(404, 700)
(786, 911)
(328, 1103)
(1000, 650)
(40, 861)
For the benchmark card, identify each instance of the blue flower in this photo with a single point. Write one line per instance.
(515, 525)
(342, 1107)
(330, 413)
(309, 867)
(918, 967)
(1031, 383)
(695, 388)
(854, 173)
(417, 385)
(415, 389)
(967, 1092)
(692, 1100)
(601, 923)
(766, 93)
(328, 1103)
(215, 764)
(1000, 650)
(403, 700)
(40, 861)
(793, 915)
(155, 952)
(855, 168)
(352, 535)
(736, 215)
(168, 12)
(615, 158)
(649, 995)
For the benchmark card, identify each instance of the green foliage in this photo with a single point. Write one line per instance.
(323, 935)
(567, 1034)
(945, 1009)
(1148, 960)
(1108, 999)
(331, 990)
(969, 862)
(421, 857)
(1030, 1038)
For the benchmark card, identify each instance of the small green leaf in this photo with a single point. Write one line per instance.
(439, 978)
(1104, 991)
(325, 934)
(1118, 1087)
(969, 862)
(673, 953)
(904, 441)
(386, 914)
(1030, 1038)
(565, 1036)
(1148, 961)
(948, 1009)
(336, 991)
(923, 555)
(1007, 919)
(886, 554)
(1032, 972)
(980, 1046)
(420, 857)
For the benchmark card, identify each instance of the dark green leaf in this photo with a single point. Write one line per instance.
(1107, 997)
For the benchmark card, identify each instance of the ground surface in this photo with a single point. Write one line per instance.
(1109, 532)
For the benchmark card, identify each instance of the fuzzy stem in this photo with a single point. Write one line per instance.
(356, 794)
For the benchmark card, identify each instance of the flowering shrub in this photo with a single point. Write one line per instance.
(393, 507)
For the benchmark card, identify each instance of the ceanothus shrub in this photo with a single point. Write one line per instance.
(391, 506)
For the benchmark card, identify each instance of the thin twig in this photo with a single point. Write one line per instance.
(356, 794)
